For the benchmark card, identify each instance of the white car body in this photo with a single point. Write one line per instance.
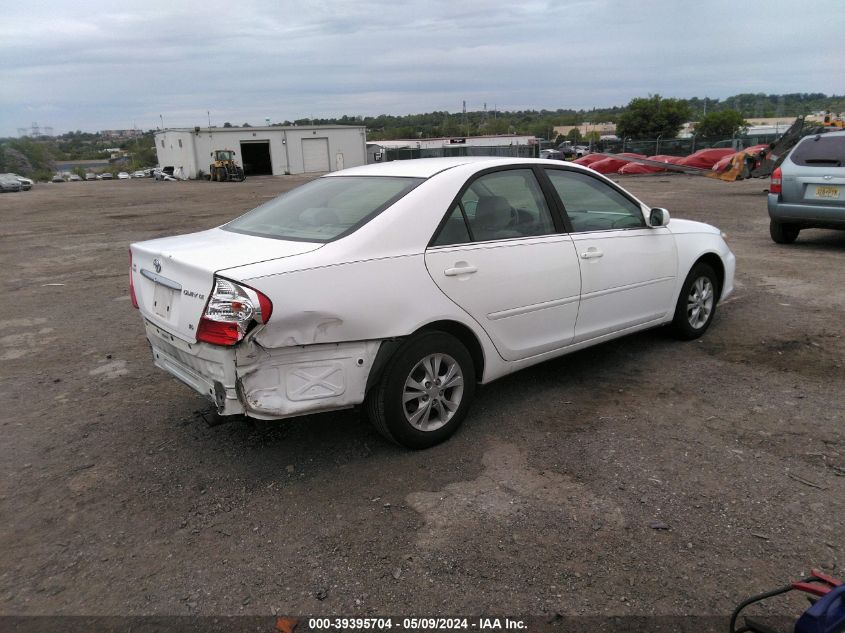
(337, 304)
(123, 176)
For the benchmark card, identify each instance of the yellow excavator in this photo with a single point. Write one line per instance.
(223, 167)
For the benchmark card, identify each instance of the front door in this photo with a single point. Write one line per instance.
(628, 269)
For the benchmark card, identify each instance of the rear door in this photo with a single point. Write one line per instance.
(628, 270)
(500, 257)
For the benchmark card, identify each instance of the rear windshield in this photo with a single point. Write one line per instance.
(820, 150)
(324, 209)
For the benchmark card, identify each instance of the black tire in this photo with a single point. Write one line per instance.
(783, 233)
(689, 321)
(391, 415)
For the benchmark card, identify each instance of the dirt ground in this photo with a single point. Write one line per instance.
(644, 476)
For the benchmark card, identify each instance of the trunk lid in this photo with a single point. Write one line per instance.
(173, 276)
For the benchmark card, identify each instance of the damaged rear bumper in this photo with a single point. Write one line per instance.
(268, 383)
(208, 369)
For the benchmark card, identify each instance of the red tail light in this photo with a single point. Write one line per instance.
(131, 283)
(231, 310)
(218, 332)
(777, 183)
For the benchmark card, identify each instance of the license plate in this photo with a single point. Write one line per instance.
(163, 300)
(827, 192)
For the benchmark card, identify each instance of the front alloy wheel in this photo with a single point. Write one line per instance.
(696, 305)
(700, 302)
(424, 392)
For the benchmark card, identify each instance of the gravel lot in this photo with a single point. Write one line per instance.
(117, 498)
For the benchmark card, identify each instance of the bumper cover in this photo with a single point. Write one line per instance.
(268, 383)
(807, 215)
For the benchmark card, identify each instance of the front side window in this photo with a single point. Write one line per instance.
(498, 206)
(323, 209)
(593, 205)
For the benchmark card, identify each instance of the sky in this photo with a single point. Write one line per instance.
(112, 65)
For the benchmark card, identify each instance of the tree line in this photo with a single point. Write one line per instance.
(642, 118)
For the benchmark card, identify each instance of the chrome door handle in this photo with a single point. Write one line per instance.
(592, 253)
(460, 270)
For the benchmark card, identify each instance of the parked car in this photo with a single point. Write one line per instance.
(568, 150)
(57, 178)
(74, 178)
(106, 175)
(139, 174)
(808, 189)
(90, 176)
(401, 285)
(159, 173)
(26, 183)
(551, 154)
(8, 183)
(123, 176)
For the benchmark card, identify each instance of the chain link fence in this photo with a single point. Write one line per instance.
(678, 146)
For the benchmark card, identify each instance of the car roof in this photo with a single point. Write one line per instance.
(427, 167)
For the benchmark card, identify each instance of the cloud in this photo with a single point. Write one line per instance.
(94, 66)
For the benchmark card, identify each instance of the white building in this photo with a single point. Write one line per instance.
(264, 150)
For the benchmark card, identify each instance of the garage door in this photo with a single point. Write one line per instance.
(315, 154)
(256, 158)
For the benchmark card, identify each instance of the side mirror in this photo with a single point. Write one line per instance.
(658, 217)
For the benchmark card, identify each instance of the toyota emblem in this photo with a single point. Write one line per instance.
(157, 265)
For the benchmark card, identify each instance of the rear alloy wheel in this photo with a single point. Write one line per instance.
(425, 391)
(697, 303)
(783, 233)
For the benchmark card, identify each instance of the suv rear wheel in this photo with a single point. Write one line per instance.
(783, 233)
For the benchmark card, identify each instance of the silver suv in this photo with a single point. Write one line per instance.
(808, 189)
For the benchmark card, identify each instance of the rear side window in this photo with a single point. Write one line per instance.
(324, 209)
(500, 205)
(820, 150)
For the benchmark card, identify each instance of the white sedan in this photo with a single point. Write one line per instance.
(402, 285)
